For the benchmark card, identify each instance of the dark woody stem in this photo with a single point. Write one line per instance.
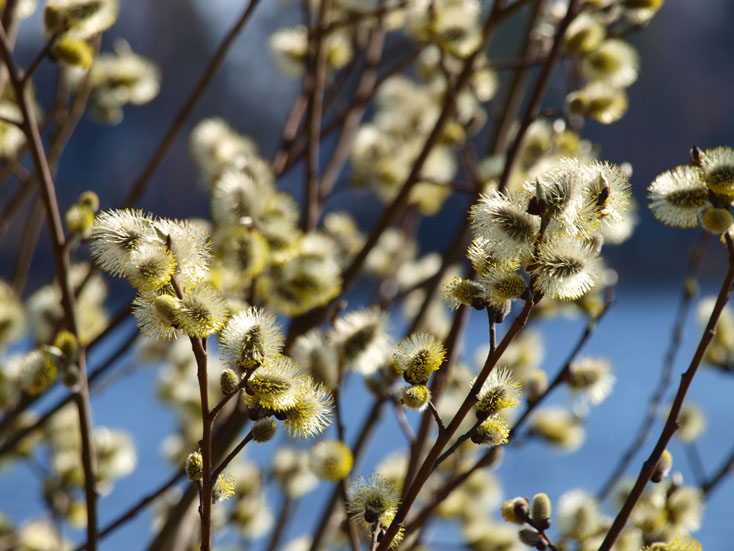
(671, 424)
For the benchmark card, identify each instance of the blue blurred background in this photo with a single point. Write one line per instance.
(684, 96)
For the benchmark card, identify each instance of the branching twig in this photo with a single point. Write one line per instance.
(427, 467)
(281, 523)
(488, 457)
(351, 527)
(10, 443)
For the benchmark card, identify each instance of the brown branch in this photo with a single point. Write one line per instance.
(289, 131)
(436, 416)
(440, 379)
(216, 410)
(456, 445)
(198, 346)
(337, 122)
(355, 17)
(313, 121)
(280, 525)
(425, 514)
(27, 400)
(666, 374)
(566, 368)
(147, 500)
(207, 486)
(288, 141)
(187, 108)
(36, 63)
(500, 139)
(695, 462)
(671, 424)
(352, 533)
(224, 436)
(48, 196)
(227, 460)
(118, 318)
(398, 205)
(490, 456)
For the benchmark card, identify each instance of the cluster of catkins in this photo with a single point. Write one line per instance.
(167, 261)
(257, 243)
(114, 78)
(697, 194)
(665, 513)
(543, 239)
(607, 65)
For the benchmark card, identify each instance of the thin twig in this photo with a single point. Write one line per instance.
(438, 384)
(459, 441)
(501, 137)
(48, 195)
(351, 527)
(375, 534)
(562, 373)
(367, 83)
(225, 434)
(299, 147)
(671, 424)
(536, 100)
(281, 523)
(694, 460)
(36, 63)
(313, 121)
(489, 457)
(27, 400)
(427, 467)
(397, 206)
(723, 471)
(15, 205)
(227, 460)
(666, 374)
(10, 443)
(355, 17)
(28, 245)
(289, 131)
(226, 398)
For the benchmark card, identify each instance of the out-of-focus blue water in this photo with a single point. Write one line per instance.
(634, 336)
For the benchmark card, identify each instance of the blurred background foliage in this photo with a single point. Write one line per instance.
(683, 96)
